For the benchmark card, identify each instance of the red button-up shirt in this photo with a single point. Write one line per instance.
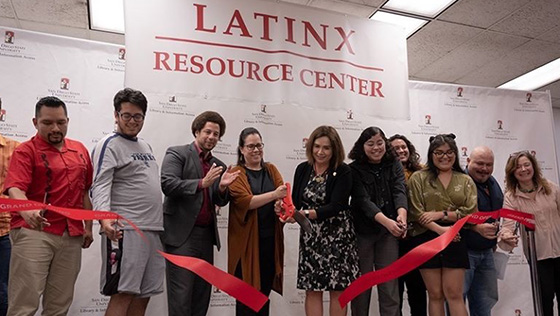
(65, 175)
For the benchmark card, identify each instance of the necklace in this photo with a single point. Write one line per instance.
(531, 190)
(320, 178)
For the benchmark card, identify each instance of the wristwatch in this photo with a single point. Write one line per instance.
(306, 212)
(444, 215)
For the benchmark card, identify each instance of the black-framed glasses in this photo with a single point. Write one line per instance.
(252, 147)
(440, 154)
(127, 116)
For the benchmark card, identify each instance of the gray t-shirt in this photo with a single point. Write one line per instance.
(126, 181)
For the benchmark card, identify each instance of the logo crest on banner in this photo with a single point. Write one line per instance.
(528, 97)
(9, 37)
(500, 124)
(122, 53)
(460, 92)
(464, 151)
(64, 83)
(427, 119)
(173, 99)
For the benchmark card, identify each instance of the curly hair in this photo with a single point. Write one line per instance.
(413, 162)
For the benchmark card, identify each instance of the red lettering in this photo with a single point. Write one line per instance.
(266, 75)
(308, 29)
(220, 62)
(253, 71)
(160, 60)
(287, 72)
(200, 19)
(196, 61)
(266, 24)
(181, 59)
(231, 73)
(363, 87)
(320, 79)
(333, 78)
(301, 73)
(237, 22)
(376, 88)
(344, 40)
(290, 30)
(352, 80)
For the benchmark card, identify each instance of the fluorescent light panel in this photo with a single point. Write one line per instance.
(410, 24)
(537, 78)
(427, 8)
(107, 15)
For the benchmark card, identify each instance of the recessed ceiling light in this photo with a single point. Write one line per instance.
(107, 15)
(428, 8)
(536, 78)
(410, 24)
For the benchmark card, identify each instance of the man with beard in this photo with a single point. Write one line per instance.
(46, 246)
(127, 182)
(193, 182)
(481, 281)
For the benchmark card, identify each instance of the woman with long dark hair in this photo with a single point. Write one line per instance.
(439, 196)
(255, 237)
(379, 208)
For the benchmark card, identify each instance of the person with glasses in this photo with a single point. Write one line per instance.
(528, 191)
(255, 237)
(439, 196)
(379, 208)
(46, 246)
(126, 181)
(194, 183)
(328, 259)
(415, 288)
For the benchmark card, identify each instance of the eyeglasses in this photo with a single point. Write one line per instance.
(252, 147)
(439, 154)
(127, 116)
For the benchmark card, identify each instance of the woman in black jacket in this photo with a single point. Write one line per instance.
(379, 207)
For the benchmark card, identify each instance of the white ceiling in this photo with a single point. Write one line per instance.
(474, 42)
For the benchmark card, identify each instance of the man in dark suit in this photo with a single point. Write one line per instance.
(193, 182)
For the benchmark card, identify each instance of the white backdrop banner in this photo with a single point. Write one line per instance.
(266, 52)
(86, 75)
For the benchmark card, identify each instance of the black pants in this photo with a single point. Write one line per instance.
(416, 290)
(266, 262)
(549, 277)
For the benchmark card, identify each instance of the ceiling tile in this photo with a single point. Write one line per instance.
(349, 8)
(106, 37)
(6, 9)
(480, 13)
(54, 29)
(552, 36)
(533, 20)
(524, 58)
(9, 22)
(56, 12)
(435, 40)
(476, 53)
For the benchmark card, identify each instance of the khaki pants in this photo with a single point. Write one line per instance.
(42, 264)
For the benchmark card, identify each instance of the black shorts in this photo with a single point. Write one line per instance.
(454, 256)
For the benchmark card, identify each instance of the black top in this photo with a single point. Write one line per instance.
(261, 182)
(376, 188)
(339, 186)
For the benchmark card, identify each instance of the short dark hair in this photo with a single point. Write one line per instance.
(242, 136)
(208, 116)
(413, 162)
(50, 102)
(435, 142)
(132, 96)
(336, 145)
(357, 153)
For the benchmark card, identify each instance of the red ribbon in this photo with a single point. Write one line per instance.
(235, 287)
(287, 204)
(425, 252)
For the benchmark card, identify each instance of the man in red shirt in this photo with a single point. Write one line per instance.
(46, 246)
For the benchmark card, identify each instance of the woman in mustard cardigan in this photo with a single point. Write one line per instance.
(255, 237)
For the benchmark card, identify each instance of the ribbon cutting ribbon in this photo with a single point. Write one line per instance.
(227, 283)
(424, 252)
(287, 204)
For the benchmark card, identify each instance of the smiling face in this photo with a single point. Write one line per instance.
(400, 149)
(480, 165)
(129, 126)
(252, 151)
(322, 150)
(524, 172)
(375, 148)
(444, 157)
(208, 136)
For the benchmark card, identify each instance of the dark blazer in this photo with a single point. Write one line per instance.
(181, 172)
(365, 193)
(339, 186)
